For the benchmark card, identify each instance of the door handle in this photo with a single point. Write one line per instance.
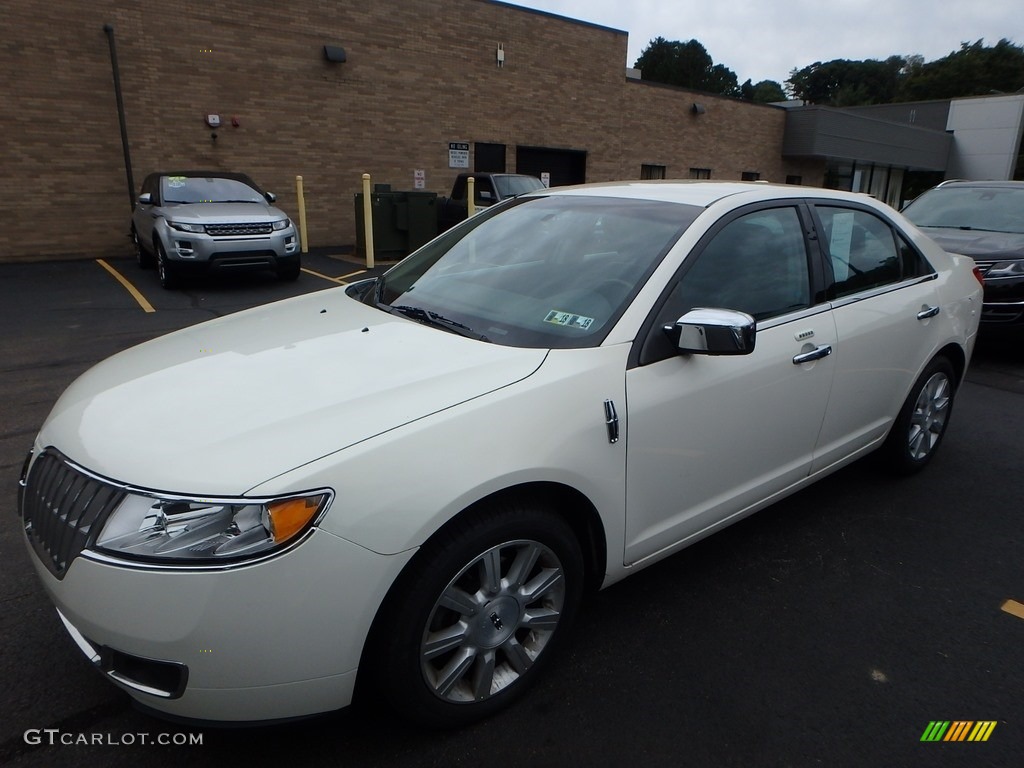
(814, 354)
(924, 314)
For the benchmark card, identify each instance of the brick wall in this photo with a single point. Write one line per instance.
(418, 76)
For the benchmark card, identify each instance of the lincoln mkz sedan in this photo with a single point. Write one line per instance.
(192, 221)
(406, 486)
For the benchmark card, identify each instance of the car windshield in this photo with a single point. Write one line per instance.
(195, 189)
(989, 209)
(510, 186)
(545, 272)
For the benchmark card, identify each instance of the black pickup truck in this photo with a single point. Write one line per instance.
(489, 188)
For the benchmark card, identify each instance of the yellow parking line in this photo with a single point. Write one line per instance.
(146, 306)
(351, 274)
(324, 276)
(1013, 608)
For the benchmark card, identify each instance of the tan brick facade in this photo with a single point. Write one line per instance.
(419, 75)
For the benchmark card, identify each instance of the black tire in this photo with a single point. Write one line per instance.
(508, 634)
(922, 422)
(289, 272)
(165, 270)
(142, 257)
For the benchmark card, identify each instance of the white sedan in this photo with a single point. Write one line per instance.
(411, 482)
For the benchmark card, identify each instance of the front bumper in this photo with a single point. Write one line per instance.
(235, 252)
(278, 639)
(1004, 297)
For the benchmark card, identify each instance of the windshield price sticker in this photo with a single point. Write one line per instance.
(569, 320)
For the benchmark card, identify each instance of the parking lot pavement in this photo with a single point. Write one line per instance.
(829, 629)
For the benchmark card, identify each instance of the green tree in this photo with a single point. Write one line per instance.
(974, 70)
(764, 92)
(687, 65)
(845, 83)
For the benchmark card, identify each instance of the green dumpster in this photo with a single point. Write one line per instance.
(402, 222)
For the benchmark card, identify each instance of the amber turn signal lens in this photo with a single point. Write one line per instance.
(290, 516)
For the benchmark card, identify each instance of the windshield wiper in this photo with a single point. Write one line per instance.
(438, 321)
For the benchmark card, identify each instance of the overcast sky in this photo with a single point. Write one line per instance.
(766, 39)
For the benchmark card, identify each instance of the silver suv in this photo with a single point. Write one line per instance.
(212, 221)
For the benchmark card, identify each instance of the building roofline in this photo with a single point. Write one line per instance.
(702, 94)
(549, 15)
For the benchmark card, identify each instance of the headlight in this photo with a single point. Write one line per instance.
(181, 226)
(282, 224)
(1005, 269)
(206, 531)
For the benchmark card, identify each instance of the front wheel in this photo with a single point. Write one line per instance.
(478, 614)
(921, 424)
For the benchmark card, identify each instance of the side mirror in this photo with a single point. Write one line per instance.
(271, 197)
(485, 194)
(145, 199)
(714, 332)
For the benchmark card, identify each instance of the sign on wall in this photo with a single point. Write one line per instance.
(419, 178)
(458, 154)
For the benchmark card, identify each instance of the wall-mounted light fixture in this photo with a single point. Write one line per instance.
(500, 55)
(698, 109)
(335, 53)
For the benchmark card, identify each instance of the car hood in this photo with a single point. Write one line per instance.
(223, 406)
(974, 243)
(201, 213)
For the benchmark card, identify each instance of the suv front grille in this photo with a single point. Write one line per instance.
(225, 230)
(62, 508)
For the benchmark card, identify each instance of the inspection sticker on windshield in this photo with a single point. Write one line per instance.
(569, 320)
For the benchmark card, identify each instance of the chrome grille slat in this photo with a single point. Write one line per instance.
(62, 506)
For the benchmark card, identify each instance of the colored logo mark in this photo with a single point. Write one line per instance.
(958, 730)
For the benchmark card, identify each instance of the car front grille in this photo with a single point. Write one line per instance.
(227, 230)
(62, 507)
(984, 266)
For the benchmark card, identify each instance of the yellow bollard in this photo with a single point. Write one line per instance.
(368, 220)
(470, 197)
(303, 240)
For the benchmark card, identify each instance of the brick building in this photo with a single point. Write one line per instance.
(417, 77)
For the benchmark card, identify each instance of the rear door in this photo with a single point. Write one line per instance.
(886, 309)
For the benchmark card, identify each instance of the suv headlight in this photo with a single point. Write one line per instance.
(181, 226)
(282, 224)
(206, 531)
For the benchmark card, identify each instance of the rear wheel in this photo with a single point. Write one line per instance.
(165, 270)
(922, 422)
(477, 615)
(142, 257)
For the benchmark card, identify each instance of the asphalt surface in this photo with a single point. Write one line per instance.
(827, 630)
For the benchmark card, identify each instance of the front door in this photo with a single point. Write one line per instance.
(710, 437)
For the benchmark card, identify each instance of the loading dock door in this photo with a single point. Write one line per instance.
(566, 166)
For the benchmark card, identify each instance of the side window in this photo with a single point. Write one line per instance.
(862, 250)
(912, 263)
(757, 264)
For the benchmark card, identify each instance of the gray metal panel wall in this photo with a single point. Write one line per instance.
(825, 132)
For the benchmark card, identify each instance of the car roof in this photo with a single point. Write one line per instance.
(702, 193)
(953, 184)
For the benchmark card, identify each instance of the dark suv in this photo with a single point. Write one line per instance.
(983, 220)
